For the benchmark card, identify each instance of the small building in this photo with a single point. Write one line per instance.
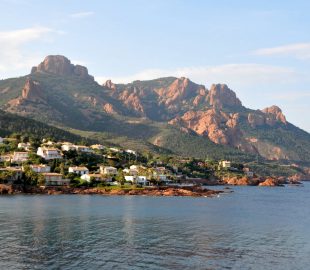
(225, 164)
(142, 180)
(16, 173)
(55, 179)
(108, 170)
(129, 151)
(40, 168)
(5, 158)
(83, 149)
(129, 178)
(49, 153)
(1, 140)
(97, 146)
(67, 147)
(20, 157)
(78, 170)
(95, 176)
(114, 149)
(24, 146)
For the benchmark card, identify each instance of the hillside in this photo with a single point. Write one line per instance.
(171, 115)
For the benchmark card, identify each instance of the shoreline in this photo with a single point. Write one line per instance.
(153, 191)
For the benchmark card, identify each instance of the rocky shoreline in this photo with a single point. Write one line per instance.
(152, 191)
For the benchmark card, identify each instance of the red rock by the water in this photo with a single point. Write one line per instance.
(270, 182)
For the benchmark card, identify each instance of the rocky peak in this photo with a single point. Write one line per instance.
(32, 91)
(220, 96)
(60, 65)
(274, 113)
(110, 85)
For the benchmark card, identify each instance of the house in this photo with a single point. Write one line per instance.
(24, 146)
(130, 178)
(96, 176)
(131, 152)
(78, 170)
(225, 164)
(83, 149)
(141, 180)
(49, 153)
(5, 158)
(97, 146)
(16, 173)
(114, 149)
(20, 157)
(67, 147)
(40, 168)
(1, 140)
(108, 170)
(55, 179)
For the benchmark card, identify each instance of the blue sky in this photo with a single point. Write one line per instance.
(261, 49)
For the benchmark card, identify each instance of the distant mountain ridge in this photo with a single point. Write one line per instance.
(63, 94)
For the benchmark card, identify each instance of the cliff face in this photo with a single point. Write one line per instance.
(32, 91)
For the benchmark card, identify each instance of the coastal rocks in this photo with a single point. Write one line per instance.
(6, 189)
(244, 181)
(270, 182)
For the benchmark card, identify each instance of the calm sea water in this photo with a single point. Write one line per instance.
(252, 228)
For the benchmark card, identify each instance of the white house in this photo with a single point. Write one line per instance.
(55, 179)
(1, 140)
(108, 170)
(67, 147)
(78, 170)
(129, 151)
(24, 146)
(225, 164)
(95, 176)
(20, 156)
(141, 180)
(40, 168)
(49, 153)
(248, 172)
(130, 178)
(97, 146)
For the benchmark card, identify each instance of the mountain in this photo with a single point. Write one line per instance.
(169, 115)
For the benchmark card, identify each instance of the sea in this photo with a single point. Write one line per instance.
(249, 228)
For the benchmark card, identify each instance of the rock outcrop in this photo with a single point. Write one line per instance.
(60, 65)
(274, 114)
(220, 96)
(270, 182)
(32, 91)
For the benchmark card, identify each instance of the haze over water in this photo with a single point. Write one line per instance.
(252, 228)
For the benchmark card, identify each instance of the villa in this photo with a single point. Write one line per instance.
(40, 168)
(78, 170)
(55, 179)
(94, 176)
(1, 140)
(108, 170)
(20, 157)
(67, 147)
(83, 149)
(49, 153)
(24, 146)
(97, 146)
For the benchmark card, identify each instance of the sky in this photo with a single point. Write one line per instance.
(260, 49)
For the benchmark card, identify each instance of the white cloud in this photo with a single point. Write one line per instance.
(81, 15)
(297, 50)
(232, 74)
(12, 55)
